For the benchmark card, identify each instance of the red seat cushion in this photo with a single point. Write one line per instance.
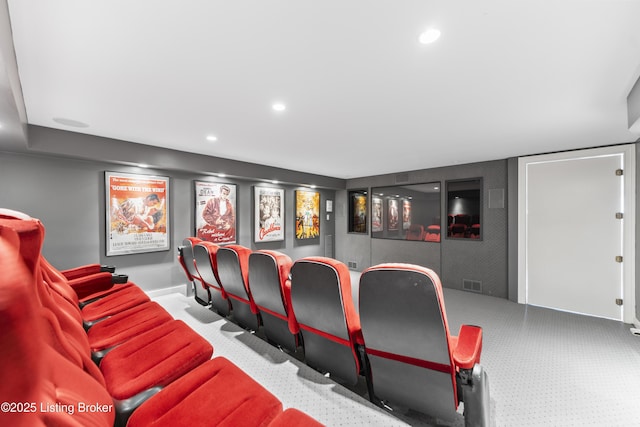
(230, 396)
(154, 358)
(126, 325)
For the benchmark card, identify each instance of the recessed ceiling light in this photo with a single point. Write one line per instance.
(222, 175)
(429, 36)
(143, 165)
(312, 186)
(70, 122)
(275, 181)
(279, 106)
(212, 138)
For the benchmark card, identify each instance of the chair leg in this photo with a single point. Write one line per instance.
(475, 395)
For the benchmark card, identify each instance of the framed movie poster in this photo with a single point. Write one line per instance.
(377, 214)
(307, 214)
(137, 214)
(406, 214)
(215, 212)
(358, 211)
(269, 214)
(392, 216)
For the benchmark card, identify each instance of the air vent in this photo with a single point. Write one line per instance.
(402, 177)
(472, 285)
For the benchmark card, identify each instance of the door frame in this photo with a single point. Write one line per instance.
(628, 235)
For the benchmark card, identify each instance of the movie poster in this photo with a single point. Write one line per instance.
(269, 214)
(359, 212)
(307, 214)
(215, 212)
(406, 214)
(377, 214)
(393, 216)
(137, 214)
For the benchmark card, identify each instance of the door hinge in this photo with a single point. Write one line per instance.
(619, 258)
(619, 172)
(619, 215)
(618, 301)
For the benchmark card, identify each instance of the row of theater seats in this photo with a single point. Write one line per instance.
(78, 350)
(398, 340)
(418, 232)
(463, 225)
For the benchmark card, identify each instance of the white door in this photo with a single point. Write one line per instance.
(572, 236)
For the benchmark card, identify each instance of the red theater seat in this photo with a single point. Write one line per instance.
(413, 359)
(187, 261)
(415, 232)
(233, 272)
(271, 290)
(205, 255)
(323, 306)
(432, 234)
(217, 393)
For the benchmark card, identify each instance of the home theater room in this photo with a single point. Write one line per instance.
(295, 213)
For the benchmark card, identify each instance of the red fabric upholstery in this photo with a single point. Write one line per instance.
(31, 371)
(127, 324)
(20, 366)
(294, 418)
(432, 234)
(154, 358)
(231, 398)
(415, 232)
(114, 303)
(85, 286)
(81, 271)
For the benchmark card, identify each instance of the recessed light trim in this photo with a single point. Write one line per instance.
(429, 36)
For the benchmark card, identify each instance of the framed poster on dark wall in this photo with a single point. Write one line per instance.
(307, 214)
(269, 214)
(377, 215)
(357, 211)
(215, 212)
(137, 214)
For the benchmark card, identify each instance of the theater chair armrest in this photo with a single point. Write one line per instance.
(87, 285)
(467, 352)
(84, 270)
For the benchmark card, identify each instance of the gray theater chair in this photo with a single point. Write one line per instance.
(323, 306)
(187, 261)
(233, 272)
(413, 360)
(271, 289)
(205, 255)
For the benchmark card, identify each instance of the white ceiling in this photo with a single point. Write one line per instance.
(506, 78)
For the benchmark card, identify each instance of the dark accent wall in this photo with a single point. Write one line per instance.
(453, 259)
(67, 195)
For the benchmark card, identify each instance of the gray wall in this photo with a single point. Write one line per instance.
(67, 195)
(454, 260)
